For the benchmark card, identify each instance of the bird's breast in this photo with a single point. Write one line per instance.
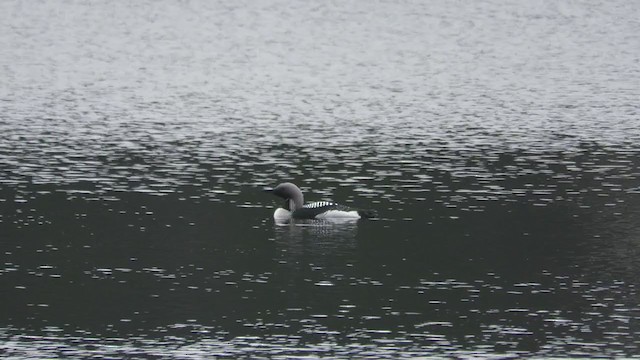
(281, 214)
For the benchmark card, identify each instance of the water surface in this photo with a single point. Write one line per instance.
(497, 140)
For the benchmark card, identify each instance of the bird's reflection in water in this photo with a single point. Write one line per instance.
(316, 238)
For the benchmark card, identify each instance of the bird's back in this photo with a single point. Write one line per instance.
(327, 210)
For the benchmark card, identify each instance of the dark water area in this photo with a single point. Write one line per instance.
(498, 141)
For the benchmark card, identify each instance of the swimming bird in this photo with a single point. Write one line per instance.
(294, 207)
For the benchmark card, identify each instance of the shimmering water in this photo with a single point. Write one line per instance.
(497, 140)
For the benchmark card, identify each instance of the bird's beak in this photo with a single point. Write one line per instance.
(267, 189)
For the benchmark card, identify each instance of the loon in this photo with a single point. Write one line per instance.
(294, 207)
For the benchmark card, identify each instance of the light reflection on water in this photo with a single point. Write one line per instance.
(497, 142)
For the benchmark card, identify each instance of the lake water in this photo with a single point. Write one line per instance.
(498, 141)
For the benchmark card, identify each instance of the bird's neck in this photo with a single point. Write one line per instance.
(296, 202)
(293, 206)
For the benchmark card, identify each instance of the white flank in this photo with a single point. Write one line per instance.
(338, 214)
(282, 214)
